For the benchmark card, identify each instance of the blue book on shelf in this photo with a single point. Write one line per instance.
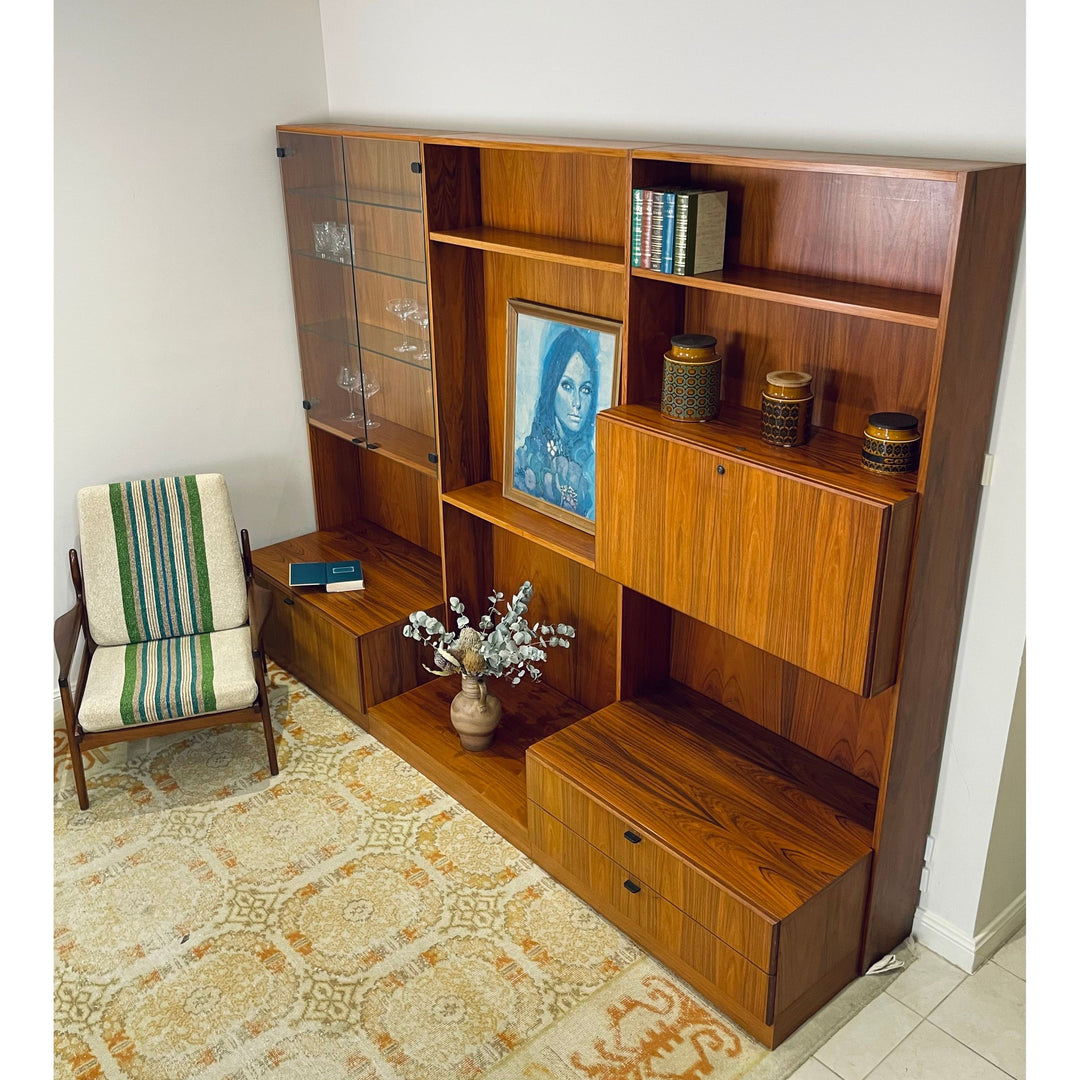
(668, 243)
(331, 576)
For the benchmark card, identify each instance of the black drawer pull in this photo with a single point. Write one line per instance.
(631, 886)
(288, 600)
(632, 837)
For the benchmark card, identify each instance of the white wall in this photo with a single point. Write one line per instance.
(175, 345)
(928, 77)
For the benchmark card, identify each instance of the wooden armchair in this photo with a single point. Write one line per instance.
(170, 616)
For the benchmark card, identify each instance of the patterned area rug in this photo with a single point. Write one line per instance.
(345, 919)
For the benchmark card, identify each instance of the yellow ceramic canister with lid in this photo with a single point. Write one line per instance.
(691, 386)
(891, 443)
(787, 403)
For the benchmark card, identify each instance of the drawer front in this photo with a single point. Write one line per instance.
(790, 567)
(315, 650)
(657, 924)
(743, 928)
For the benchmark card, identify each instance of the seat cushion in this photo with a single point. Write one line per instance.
(149, 681)
(160, 559)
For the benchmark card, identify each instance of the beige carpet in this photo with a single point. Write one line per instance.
(345, 919)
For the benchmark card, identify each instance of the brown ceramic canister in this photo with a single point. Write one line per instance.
(691, 387)
(787, 403)
(891, 443)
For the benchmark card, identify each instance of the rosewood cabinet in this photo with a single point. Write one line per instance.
(736, 759)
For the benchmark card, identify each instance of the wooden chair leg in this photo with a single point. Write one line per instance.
(264, 708)
(74, 749)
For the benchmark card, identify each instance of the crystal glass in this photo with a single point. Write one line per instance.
(324, 238)
(368, 386)
(402, 308)
(420, 317)
(350, 383)
(340, 242)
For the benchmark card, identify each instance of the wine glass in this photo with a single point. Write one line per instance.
(420, 317)
(402, 308)
(350, 384)
(368, 386)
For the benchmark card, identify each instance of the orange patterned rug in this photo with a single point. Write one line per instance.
(345, 919)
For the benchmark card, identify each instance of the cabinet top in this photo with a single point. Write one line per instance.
(945, 169)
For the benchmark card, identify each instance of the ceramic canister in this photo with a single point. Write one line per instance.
(787, 403)
(691, 387)
(891, 443)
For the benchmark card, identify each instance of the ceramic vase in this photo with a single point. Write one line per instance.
(475, 713)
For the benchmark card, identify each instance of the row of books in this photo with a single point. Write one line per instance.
(678, 230)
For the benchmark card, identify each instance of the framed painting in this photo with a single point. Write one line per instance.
(562, 368)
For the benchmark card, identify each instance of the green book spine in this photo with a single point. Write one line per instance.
(682, 207)
(635, 227)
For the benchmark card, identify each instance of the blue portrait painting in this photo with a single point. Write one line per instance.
(561, 372)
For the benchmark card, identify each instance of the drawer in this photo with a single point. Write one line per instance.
(741, 926)
(314, 649)
(658, 925)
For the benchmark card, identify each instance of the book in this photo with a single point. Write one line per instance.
(667, 243)
(656, 241)
(331, 576)
(706, 231)
(646, 229)
(682, 204)
(635, 226)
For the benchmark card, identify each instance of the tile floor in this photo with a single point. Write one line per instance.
(935, 1022)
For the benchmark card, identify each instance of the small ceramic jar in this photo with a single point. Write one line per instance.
(891, 443)
(787, 403)
(691, 387)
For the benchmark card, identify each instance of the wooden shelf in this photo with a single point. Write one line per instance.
(376, 339)
(486, 501)
(391, 440)
(801, 290)
(530, 246)
(829, 457)
(399, 577)
(490, 783)
(390, 200)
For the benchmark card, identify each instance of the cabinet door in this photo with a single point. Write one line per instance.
(799, 570)
(355, 223)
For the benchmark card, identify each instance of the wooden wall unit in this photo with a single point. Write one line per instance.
(736, 759)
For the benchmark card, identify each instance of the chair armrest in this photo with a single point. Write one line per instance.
(66, 631)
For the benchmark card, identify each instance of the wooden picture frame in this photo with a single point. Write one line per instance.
(549, 452)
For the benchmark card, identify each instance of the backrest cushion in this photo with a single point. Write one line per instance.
(160, 559)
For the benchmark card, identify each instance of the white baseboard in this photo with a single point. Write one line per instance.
(962, 949)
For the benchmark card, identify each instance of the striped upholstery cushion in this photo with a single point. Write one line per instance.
(160, 559)
(149, 681)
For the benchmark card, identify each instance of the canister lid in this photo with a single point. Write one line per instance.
(894, 421)
(788, 378)
(693, 341)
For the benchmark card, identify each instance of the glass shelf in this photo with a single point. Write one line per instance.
(375, 339)
(376, 263)
(391, 200)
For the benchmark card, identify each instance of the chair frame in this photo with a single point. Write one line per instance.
(75, 623)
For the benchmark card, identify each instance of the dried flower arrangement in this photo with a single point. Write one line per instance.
(496, 646)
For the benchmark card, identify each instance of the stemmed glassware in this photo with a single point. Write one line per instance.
(368, 386)
(420, 317)
(403, 308)
(350, 383)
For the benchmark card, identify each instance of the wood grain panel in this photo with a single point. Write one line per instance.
(335, 479)
(835, 724)
(713, 801)
(878, 230)
(375, 167)
(570, 288)
(723, 548)
(517, 186)
(402, 500)
(650, 918)
(405, 395)
(451, 186)
(490, 783)
(970, 349)
(644, 643)
(859, 366)
(566, 592)
(748, 931)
